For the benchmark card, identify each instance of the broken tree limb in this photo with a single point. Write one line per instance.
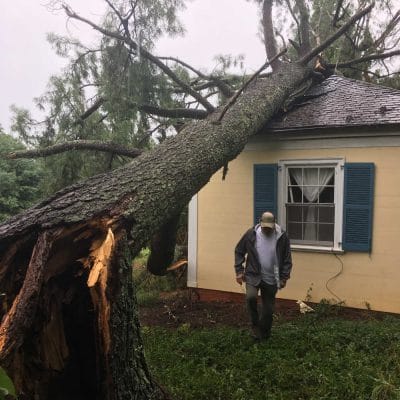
(22, 312)
(162, 247)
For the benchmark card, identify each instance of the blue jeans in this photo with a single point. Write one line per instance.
(268, 293)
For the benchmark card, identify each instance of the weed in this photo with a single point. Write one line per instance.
(328, 308)
(309, 294)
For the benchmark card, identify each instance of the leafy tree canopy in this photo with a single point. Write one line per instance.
(19, 179)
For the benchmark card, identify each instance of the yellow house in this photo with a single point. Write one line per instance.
(330, 171)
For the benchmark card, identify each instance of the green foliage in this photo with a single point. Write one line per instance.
(110, 74)
(149, 286)
(327, 308)
(332, 360)
(19, 179)
(6, 386)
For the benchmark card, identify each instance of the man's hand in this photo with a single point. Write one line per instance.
(239, 279)
(282, 284)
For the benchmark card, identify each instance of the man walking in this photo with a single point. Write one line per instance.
(268, 266)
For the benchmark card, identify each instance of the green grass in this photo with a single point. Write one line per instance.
(306, 359)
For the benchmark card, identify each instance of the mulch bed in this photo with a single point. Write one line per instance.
(182, 307)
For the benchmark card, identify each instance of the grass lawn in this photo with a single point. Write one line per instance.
(308, 358)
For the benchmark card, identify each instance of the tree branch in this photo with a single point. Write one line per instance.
(371, 57)
(337, 13)
(389, 28)
(108, 147)
(309, 56)
(174, 112)
(225, 88)
(155, 60)
(305, 45)
(92, 109)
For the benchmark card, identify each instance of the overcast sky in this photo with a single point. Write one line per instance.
(27, 60)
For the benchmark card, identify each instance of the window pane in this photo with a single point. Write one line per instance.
(294, 231)
(296, 176)
(310, 213)
(327, 195)
(310, 231)
(326, 232)
(326, 214)
(310, 176)
(326, 176)
(294, 213)
(295, 194)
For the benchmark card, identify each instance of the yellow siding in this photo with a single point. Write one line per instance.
(225, 211)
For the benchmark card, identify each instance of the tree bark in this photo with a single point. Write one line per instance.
(269, 34)
(85, 339)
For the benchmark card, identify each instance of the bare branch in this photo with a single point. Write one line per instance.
(174, 112)
(96, 105)
(177, 60)
(155, 60)
(292, 13)
(225, 88)
(308, 57)
(108, 147)
(337, 13)
(371, 57)
(389, 28)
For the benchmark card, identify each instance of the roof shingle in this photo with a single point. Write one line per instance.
(342, 102)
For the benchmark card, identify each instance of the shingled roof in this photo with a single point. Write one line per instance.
(341, 102)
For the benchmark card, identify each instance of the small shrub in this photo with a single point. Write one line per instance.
(328, 308)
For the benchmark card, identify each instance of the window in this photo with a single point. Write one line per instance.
(323, 204)
(310, 205)
(311, 202)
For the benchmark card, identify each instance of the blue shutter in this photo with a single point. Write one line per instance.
(265, 189)
(358, 206)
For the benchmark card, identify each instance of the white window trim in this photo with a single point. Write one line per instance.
(338, 164)
(192, 242)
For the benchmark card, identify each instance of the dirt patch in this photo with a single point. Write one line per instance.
(182, 307)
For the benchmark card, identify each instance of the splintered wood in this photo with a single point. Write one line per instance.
(21, 314)
(100, 254)
(98, 261)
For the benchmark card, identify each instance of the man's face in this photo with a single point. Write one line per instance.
(267, 231)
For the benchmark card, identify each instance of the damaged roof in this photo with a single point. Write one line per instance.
(341, 102)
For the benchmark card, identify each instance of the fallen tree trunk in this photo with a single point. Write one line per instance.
(84, 339)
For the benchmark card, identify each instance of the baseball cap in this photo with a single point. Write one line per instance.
(267, 220)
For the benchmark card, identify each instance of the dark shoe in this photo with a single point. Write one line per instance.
(265, 337)
(255, 333)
